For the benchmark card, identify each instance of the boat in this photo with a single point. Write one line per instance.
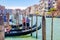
(20, 32)
(17, 29)
(15, 26)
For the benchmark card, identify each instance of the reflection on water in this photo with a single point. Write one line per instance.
(56, 35)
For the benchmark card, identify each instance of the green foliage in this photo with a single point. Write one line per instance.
(48, 12)
(37, 12)
(52, 9)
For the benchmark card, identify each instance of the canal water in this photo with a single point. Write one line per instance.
(56, 30)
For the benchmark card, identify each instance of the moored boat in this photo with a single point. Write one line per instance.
(20, 32)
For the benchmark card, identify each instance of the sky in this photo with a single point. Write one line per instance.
(18, 3)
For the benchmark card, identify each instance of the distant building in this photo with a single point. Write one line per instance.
(54, 4)
(32, 10)
(19, 11)
(51, 4)
(36, 8)
(24, 12)
(8, 11)
(28, 10)
(42, 7)
(2, 9)
(58, 4)
(58, 7)
(45, 5)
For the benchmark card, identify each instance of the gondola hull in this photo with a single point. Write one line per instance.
(22, 32)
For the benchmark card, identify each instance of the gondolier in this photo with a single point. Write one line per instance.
(27, 22)
(24, 22)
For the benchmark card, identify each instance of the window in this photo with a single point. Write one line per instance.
(53, 2)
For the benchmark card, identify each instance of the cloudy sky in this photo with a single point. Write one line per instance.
(18, 3)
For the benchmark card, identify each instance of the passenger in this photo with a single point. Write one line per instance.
(8, 28)
(24, 22)
(27, 22)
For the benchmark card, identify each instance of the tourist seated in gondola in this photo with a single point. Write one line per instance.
(24, 22)
(7, 28)
(27, 22)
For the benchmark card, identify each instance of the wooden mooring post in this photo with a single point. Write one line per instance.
(17, 19)
(7, 15)
(43, 27)
(52, 26)
(1, 27)
(31, 23)
(36, 27)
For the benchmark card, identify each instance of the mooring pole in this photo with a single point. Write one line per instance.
(43, 27)
(1, 27)
(7, 19)
(36, 26)
(17, 19)
(31, 23)
(52, 27)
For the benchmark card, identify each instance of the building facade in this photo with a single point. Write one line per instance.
(8, 11)
(2, 8)
(45, 6)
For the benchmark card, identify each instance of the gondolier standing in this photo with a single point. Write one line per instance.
(24, 22)
(27, 22)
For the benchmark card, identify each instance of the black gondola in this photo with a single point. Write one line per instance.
(21, 31)
(15, 26)
(17, 29)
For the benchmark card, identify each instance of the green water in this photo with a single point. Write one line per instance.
(56, 32)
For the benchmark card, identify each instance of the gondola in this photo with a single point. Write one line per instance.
(17, 29)
(15, 26)
(22, 32)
